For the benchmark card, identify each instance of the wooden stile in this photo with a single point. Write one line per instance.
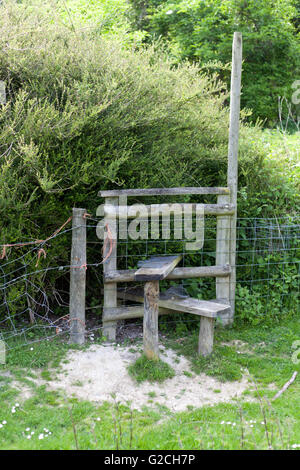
(159, 268)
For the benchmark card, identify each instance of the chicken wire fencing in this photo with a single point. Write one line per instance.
(35, 278)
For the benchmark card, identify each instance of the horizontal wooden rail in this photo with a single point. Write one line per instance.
(162, 191)
(128, 275)
(127, 313)
(131, 212)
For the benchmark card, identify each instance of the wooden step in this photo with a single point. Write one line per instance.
(156, 268)
(205, 308)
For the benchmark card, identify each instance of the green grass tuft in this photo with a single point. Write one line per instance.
(153, 371)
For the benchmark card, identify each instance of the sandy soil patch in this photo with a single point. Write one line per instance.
(100, 374)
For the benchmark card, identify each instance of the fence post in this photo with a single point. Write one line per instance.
(233, 146)
(110, 290)
(78, 277)
(2, 92)
(223, 257)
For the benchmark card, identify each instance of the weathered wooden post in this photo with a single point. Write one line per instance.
(2, 92)
(78, 277)
(110, 290)
(233, 146)
(223, 257)
(150, 327)
(206, 336)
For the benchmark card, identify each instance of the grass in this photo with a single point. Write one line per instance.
(259, 424)
(264, 352)
(153, 371)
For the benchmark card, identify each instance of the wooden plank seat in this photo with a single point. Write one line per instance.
(206, 309)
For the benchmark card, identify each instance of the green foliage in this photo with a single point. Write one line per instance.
(202, 31)
(153, 371)
(280, 296)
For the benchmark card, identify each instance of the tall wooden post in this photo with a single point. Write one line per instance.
(233, 145)
(78, 277)
(110, 290)
(223, 257)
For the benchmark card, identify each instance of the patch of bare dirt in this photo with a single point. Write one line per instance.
(100, 374)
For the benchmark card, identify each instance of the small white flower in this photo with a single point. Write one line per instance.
(13, 410)
(233, 424)
(222, 422)
(27, 429)
(29, 437)
(169, 12)
(4, 422)
(31, 349)
(17, 404)
(98, 419)
(228, 422)
(1, 425)
(41, 436)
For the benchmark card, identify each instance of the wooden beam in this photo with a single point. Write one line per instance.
(156, 268)
(127, 275)
(189, 305)
(162, 191)
(129, 312)
(78, 277)
(206, 336)
(110, 290)
(233, 147)
(223, 256)
(131, 212)
(2, 92)
(150, 324)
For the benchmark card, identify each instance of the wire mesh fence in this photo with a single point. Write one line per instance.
(34, 283)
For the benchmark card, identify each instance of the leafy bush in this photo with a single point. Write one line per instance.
(202, 31)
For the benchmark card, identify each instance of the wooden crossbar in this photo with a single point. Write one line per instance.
(128, 275)
(124, 212)
(163, 191)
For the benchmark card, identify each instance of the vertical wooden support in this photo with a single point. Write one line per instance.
(232, 174)
(151, 297)
(2, 92)
(110, 289)
(78, 277)
(206, 336)
(223, 257)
